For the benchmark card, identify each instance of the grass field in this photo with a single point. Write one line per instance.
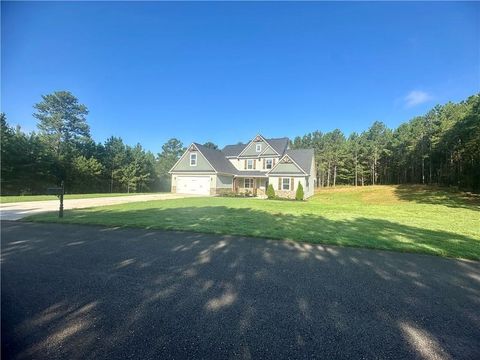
(23, 198)
(400, 218)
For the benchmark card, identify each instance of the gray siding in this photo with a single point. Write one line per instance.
(250, 149)
(288, 168)
(224, 182)
(269, 151)
(184, 164)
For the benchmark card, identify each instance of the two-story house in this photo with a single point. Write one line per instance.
(244, 168)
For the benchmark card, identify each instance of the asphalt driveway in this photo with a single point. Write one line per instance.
(19, 210)
(81, 292)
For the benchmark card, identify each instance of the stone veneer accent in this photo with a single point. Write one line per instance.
(220, 191)
(285, 194)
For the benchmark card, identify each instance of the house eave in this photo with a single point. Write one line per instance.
(289, 174)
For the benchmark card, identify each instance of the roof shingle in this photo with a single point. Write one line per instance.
(233, 150)
(217, 159)
(279, 145)
(303, 157)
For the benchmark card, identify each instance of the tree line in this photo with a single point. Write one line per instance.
(63, 150)
(441, 147)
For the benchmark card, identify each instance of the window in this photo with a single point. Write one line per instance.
(193, 159)
(268, 163)
(249, 164)
(285, 183)
(306, 182)
(258, 147)
(248, 183)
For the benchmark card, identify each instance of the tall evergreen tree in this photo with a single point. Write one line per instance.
(171, 152)
(63, 127)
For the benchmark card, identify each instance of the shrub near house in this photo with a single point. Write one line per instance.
(270, 192)
(299, 194)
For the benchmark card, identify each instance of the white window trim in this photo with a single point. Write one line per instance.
(195, 160)
(258, 147)
(250, 168)
(266, 164)
(283, 184)
(245, 185)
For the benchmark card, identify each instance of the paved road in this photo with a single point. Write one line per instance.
(81, 292)
(16, 211)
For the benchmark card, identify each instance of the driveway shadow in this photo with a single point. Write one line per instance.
(72, 291)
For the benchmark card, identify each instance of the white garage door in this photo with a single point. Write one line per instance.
(193, 185)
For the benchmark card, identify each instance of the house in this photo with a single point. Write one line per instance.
(245, 168)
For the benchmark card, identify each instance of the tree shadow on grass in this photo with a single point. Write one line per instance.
(423, 194)
(93, 292)
(357, 232)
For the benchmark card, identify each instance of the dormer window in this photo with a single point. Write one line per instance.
(258, 147)
(193, 159)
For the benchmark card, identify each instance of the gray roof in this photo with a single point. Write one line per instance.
(233, 150)
(279, 145)
(217, 159)
(303, 157)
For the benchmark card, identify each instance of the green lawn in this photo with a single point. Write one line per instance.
(408, 219)
(22, 198)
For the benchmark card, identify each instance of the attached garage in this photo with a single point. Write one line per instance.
(202, 171)
(199, 185)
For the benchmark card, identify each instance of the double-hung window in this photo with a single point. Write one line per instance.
(268, 163)
(285, 183)
(193, 159)
(250, 164)
(248, 183)
(258, 147)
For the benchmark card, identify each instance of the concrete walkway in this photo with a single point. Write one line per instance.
(16, 211)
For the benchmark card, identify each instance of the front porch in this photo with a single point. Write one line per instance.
(255, 185)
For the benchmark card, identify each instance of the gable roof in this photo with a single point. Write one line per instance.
(217, 159)
(302, 157)
(278, 144)
(233, 150)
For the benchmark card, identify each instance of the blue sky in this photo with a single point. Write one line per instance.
(224, 72)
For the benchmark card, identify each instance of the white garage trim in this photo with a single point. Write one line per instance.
(199, 185)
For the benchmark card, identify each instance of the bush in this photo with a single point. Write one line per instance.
(228, 194)
(270, 192)
(299, 194)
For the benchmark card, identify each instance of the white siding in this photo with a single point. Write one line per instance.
(312, 180)
(237, 163)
